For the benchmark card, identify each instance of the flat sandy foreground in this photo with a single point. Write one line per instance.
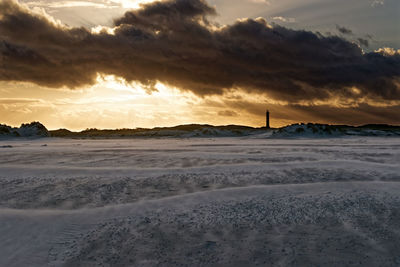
(200, 202)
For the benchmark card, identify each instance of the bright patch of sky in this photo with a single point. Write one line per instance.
(113, 103)
(88, 3)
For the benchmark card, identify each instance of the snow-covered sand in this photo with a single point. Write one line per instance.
(200, 202)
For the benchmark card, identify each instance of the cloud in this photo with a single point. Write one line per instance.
(131, 3)
(388, 51)
(363, 42)
(344, 30)
(266, 2)
(362, 114)
(378, 3)
(227, 113)
(283, 19)
(19, 100)
(88, 3)
(175, 42)
(283, 114)
(67, 4)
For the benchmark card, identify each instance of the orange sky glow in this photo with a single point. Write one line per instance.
(201, 81)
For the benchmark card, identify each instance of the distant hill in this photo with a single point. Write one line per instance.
(191, 130)
(33, 129)
(324, 130)
(309, 130)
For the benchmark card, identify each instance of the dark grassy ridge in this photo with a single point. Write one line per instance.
(194, 130)
(210, 130)
(201, 129)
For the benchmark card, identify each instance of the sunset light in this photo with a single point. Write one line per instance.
(199, 133)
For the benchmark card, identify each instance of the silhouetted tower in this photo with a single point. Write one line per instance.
(267, 120)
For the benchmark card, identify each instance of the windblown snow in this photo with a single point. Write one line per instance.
(242, 201)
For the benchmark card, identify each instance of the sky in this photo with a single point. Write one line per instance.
(143, 63)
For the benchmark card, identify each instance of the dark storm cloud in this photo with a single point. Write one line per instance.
(344, 30)
(168, 14)
(173, 42)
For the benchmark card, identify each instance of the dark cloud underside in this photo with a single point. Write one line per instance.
(358, 115)
(344, 30)
(174, 42)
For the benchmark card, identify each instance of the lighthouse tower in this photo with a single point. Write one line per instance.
(267, 120)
